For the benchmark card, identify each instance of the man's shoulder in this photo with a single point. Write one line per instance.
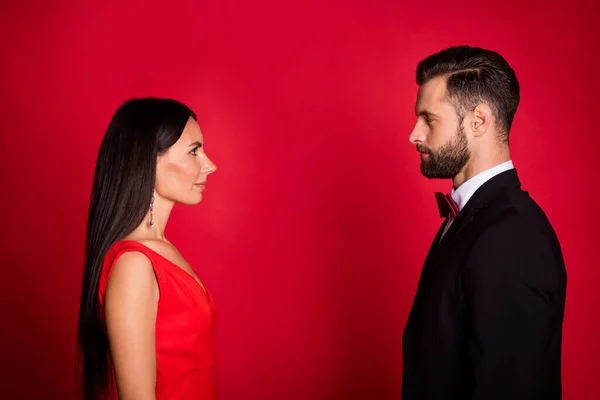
(515, 234)
(516, 216)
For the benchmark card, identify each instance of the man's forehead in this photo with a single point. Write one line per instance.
(431, 93)
(435, 88)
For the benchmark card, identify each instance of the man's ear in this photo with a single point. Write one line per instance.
(481, 119)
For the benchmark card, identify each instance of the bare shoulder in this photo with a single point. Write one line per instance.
(132, 275)
(157, 246)
(165, 249)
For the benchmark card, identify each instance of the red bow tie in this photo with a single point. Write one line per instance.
(446, 205)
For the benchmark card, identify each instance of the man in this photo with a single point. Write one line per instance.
(486, 320)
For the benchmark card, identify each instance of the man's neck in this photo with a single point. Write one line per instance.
(477, 165)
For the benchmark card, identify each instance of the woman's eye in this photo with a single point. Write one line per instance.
(194, 150)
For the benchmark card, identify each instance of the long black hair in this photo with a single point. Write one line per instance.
(140, 130)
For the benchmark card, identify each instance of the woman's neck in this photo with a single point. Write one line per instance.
(155, 222)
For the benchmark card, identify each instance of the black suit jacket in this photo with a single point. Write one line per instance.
(486, 320)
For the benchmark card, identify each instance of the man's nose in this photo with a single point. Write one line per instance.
(417, 135)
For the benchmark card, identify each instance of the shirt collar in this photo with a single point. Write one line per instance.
(463, 193)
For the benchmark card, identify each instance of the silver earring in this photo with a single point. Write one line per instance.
(152, 211)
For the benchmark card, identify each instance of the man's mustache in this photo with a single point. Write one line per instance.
(422, 149)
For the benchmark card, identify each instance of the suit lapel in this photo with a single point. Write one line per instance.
(436, 241)
(487, 193)
(464, 218)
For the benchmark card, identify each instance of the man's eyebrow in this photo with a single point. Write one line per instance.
(424, 113)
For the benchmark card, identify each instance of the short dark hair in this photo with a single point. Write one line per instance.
(475, 76)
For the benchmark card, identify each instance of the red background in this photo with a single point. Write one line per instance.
(312, 232)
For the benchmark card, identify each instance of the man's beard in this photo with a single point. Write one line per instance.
(449, 160)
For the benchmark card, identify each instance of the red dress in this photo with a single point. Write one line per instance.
(185, 327)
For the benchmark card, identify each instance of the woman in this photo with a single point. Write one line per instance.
(146, 321)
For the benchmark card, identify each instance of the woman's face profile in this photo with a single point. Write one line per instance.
(182, 170)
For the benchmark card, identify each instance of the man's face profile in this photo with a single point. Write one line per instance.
(438, 133)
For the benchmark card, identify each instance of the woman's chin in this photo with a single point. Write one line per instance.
(196, 200)
(190, 201)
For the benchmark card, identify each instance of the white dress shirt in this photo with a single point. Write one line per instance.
(463, 193)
